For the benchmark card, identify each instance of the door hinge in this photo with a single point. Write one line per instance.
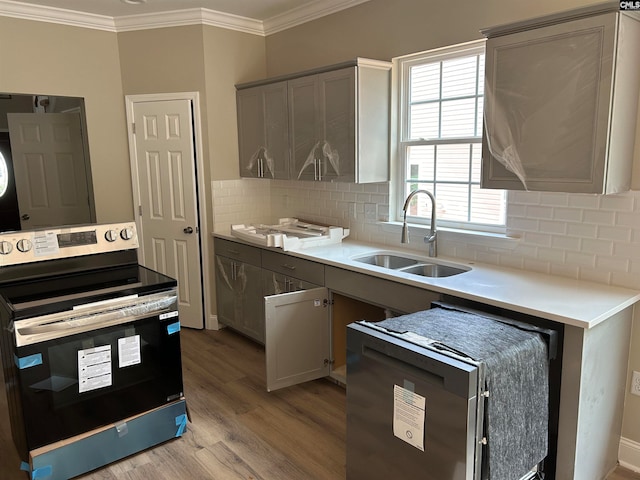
(140, 210)
(133, 128)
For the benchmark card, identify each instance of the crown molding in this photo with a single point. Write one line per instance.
(306, 13)
(40, 13)
(193, 16)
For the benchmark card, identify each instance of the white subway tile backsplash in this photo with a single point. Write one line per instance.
(619, 234)
(617, 202)
(554, 199)
(592, 237)
(535, 211)
(556, 227)
(583, 201)
(565, 242)
(597, 247)
(533, 238)
(568, 214)
(600, 217)
(523, 224)
(582, 230)
(581, 259)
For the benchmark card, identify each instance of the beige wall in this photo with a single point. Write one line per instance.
(382, 29)
(61, 60)
(203, 59)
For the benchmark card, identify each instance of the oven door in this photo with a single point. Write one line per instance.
(97, 365)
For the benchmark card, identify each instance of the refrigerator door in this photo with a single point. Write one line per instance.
(411, 411)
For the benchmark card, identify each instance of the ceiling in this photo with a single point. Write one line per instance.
(265, 15)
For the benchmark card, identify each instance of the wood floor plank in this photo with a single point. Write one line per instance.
(238, 429)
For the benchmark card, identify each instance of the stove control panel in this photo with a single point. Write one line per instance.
(50, 244)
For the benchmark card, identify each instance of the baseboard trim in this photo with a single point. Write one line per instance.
(211, 323)
(629, 454)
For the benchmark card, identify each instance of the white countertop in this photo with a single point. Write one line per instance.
(572, 302)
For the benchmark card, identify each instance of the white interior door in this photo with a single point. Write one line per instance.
(49, 168)
(165, 173)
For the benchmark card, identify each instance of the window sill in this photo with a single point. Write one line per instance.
(475, 237)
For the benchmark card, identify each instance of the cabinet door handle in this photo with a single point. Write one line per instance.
(260, 168)
(288, 267)
(234, 252)
(320, 169)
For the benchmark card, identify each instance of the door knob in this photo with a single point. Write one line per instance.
(188, 230)
(25, 216)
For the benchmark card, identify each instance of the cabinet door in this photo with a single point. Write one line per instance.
(263, 131)
(304, 126)
(338, 133)
(274, 283)
(297, 343)
(547, 103)
(226, 297)
(239, 297)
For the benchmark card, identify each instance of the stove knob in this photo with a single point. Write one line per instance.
(24, 245)
(5, 248)
(111, 236)
(126, 233)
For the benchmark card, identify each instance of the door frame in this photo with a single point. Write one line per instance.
(194, 97)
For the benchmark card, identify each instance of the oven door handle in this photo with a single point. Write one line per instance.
(27, 335)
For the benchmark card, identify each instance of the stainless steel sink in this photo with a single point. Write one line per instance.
(424, 267)
(433, 270)
(385, 260)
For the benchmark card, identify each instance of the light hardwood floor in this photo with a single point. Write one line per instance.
(238, 429)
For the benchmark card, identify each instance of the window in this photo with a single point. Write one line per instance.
(4, 176)
(440, 138)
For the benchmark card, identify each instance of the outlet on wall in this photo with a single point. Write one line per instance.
(635, 383)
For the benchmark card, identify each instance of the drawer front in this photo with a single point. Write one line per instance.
(293, 267)
(237, 251)
(378, 291)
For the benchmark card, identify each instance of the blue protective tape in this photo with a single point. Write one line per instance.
(42, 472)
(181, 422)
(173, 328)
(25, 466)
(29, 361)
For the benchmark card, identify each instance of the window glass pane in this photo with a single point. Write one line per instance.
(425, 82)
(4, 175)
(442, 141)
(453, 202)
(480, 117)
(476, 159)
(481, 75)
(424, 120)
(459, 77)
(452, 163)
(421, 162)
(487, 206)
(458, 118)
(420, 205)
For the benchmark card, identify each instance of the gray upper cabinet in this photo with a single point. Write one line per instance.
(322, 112)
(337, 123)
(263, 131)
(561, 96)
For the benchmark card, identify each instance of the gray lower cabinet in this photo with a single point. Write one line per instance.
(239, 288)
(297, 320)
(299, 309)
(298, 337)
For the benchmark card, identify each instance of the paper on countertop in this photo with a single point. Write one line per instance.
(290, 234)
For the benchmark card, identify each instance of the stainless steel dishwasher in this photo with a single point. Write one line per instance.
(418, 405)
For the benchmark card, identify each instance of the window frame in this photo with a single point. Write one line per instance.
(402, 66)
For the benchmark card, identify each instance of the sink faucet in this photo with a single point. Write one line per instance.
(429, 239)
